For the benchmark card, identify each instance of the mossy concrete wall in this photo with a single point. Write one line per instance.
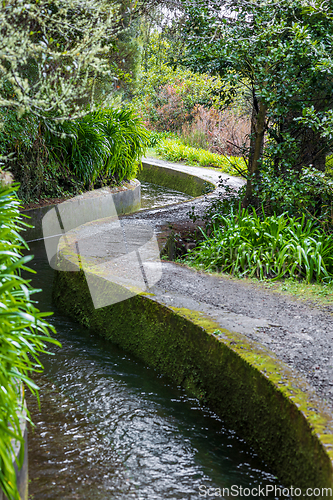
(252, 392)
(174, 179)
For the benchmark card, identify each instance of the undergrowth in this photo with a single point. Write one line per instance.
(103, 146)
(275, 246)
(172, 149)
(63, 159)
(23, 336)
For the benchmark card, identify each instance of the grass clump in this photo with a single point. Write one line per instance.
(62, 159)
(172, 149)
(105, 145)
(276, 246)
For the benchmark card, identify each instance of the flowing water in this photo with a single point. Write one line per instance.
(109, 427)
(153, 196)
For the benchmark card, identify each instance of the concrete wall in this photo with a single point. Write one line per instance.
(251, 391)
(173, 179)
(126, 199)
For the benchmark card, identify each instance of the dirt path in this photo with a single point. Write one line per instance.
(299, 334)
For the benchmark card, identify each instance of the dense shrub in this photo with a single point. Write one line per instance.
(276, 246)
(167, 98)
(23, 333)
(308, 192)
(156, 138)
(219, 131)
(23, 152)
(288, 235)
(106, 145)
(61, 160)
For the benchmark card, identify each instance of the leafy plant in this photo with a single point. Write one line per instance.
(107, 144)
(275, 246)
(24, 152)
(156, 137)
(59, 160)
(175, 150)
(309, 192)
(329, 167)
(127, 139)
(23, 333)
(15, 132)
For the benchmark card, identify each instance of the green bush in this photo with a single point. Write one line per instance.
(23, 333)
(174, 150)
(62, 160)
(329, 167)
(167, 97)
(156, 137)
(276, 246)
(105, 145)
(308, 192)
(23, 150)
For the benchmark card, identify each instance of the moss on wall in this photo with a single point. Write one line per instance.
(185, 348)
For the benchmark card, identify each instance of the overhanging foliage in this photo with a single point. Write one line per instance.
(23, 334)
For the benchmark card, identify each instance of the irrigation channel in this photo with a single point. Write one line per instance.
(110, 427)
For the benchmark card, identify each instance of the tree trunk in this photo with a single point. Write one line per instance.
(256, 148)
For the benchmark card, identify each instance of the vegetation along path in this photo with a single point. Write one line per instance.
(298, 332)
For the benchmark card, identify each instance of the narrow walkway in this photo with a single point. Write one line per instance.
(172, 214)
(300, 334)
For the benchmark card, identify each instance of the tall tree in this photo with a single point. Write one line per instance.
(59, 60)
(283, 52)
(52, 53)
